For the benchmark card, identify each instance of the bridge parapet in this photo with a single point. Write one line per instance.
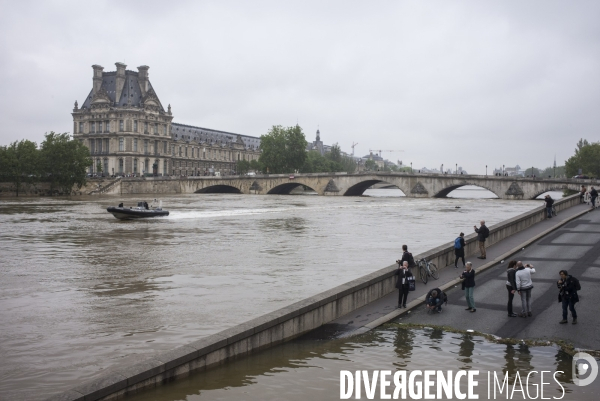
(416, 185)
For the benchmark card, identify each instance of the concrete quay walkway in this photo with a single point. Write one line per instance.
(568, 241)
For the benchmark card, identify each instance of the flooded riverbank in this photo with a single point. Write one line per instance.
(82, 291)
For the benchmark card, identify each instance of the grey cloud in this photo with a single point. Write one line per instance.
(472, 83)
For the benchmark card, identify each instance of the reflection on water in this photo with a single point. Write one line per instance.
(87, 291)
(310, 369)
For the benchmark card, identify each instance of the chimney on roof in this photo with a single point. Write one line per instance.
(97, 78)
(119, 81)
(143, 78)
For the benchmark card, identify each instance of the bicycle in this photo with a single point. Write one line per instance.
(426, 269)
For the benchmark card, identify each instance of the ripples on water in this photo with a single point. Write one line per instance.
(308, 369)
(82, 291)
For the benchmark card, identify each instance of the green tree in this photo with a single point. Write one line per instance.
(242, 167)
(586, 158)
(283, 150)
(335, 154)
(348, 164)
(531, 171)
(370, 165)
(550, 171)
(64, 162)
(99, 167)
(255, 165)
(315, 163)
(19, 163)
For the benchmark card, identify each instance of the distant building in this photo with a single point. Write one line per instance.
(376, 158)
(128, 131)
(510, 171)
(317, 145)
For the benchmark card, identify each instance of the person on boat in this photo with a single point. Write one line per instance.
(121, 204)
(146, 205)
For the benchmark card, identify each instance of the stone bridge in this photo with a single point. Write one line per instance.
(412, 185)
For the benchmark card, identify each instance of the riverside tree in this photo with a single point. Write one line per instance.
(586, 159)
(332, 161)
(64, 162)
(19, 163)
(242, 167)
(283, 150)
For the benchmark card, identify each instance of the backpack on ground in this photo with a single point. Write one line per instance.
(457, 244)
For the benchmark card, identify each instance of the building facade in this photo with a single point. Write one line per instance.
(128, 132)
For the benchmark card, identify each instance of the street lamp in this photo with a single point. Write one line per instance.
(411, 170)
(503, 170)
(456, 171)
(442, 168)
(486, 170)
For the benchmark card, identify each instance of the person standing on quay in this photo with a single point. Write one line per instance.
(549, 202)
(407, 257)
(402, 283)
(459, 249)
(482, 233)
(468, 284)
(568, 286)
(582, 194)
(524, 286)
(511, 286)
(593, 196)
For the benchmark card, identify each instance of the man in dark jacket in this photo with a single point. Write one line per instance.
(402, 283)
(593, 196)
(511, 286)
(468, 285)
(549, 202)
(568, 295)
(406, 257)
(434, 299)
(482, 234)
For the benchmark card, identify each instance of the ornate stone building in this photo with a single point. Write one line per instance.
(128, 131)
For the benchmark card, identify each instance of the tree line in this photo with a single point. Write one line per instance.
(60, 160)
(586, 159)
(283, 151)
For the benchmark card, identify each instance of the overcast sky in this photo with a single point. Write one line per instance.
(467, 82)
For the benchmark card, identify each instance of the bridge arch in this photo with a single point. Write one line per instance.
(444, 192)
(219, 189)
(359, 188)
(548, 189)
(286, 188)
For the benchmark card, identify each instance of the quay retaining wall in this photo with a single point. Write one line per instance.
(281, 325)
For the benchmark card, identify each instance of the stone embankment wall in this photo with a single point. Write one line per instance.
(281, 325)
(7, 189)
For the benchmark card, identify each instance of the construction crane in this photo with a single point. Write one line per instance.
(353, 145)
(387, 151)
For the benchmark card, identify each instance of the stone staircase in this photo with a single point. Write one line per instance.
(106, 188)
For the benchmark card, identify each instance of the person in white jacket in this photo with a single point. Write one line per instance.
(524, 286)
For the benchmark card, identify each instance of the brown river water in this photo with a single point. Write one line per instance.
(81, 291)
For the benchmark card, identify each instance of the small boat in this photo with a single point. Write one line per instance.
(141, 211)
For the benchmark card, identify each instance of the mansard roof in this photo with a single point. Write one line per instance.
(200, 134)
(131, 94)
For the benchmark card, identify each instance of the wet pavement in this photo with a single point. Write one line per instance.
(574, 246)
